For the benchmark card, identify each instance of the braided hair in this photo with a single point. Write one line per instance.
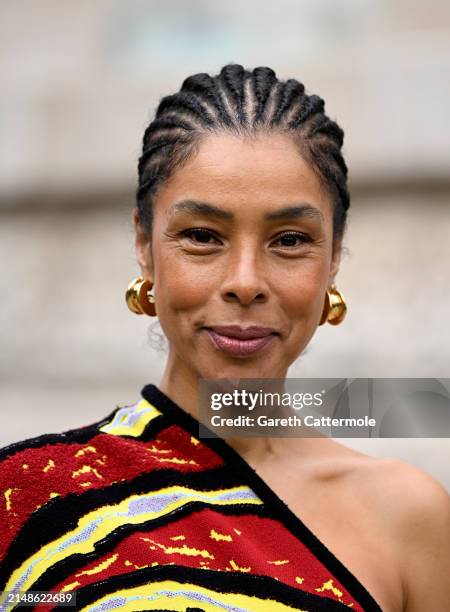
(242, 102)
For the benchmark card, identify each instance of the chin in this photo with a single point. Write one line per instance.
(243, 368)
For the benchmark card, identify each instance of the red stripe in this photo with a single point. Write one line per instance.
(115, 458)
(260, 540)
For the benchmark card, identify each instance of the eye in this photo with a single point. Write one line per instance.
(199, 235)
(294, 239)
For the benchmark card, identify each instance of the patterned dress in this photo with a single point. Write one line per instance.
(137, 512)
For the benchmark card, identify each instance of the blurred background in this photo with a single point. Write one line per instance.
(80, 81)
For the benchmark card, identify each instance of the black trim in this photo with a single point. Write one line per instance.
(279, 508)
(222, 582)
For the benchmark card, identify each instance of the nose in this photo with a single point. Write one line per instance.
(245, 277)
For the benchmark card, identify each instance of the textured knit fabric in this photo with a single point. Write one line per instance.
(138, 512)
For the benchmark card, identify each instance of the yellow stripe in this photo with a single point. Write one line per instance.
(118, 425)
(172, 595)
(102, 521)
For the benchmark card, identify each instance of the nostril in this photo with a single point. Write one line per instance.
(245, 296)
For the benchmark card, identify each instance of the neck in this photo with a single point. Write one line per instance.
(181, 385)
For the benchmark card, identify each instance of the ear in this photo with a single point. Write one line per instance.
(335, 260)
(143, 248)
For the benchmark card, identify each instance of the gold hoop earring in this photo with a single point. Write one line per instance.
(138, 297)
(335, 307)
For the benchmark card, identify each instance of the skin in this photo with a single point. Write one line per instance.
(390, 523)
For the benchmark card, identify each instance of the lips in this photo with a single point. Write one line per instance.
(240, 342)
(235, 331)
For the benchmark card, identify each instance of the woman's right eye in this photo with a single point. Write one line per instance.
(199, 235)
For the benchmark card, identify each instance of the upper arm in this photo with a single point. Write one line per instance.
(423, 522)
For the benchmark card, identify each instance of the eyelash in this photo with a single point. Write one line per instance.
(305, 237)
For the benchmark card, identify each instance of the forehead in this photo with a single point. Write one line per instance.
(262, 172)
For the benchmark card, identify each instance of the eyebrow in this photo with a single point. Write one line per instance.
(206, 209)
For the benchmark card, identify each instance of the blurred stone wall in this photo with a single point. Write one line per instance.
(80, 82)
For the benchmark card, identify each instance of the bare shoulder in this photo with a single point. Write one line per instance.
(401, 515)
(413, 510)
(399, 486)
(407, 496)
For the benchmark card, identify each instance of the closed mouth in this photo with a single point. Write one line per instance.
(240, 333)
(240, 347)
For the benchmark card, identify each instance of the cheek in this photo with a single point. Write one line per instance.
(183, 286)
(302, 292)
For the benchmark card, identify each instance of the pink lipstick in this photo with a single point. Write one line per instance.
(240, 342)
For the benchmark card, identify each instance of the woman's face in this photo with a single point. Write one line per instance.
(242, 236)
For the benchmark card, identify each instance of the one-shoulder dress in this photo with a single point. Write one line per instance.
(138, 512)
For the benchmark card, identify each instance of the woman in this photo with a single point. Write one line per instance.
(241, 211)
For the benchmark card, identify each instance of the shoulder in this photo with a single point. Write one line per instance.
(36, 470)
(408, 487)
(405, 499)
(422, 518)
(413, 510)
(404, 490)
(404, 512)
(408, 496)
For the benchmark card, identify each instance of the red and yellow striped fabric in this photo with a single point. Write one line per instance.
(136, 512)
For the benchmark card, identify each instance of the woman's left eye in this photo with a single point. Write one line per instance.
(289, 239)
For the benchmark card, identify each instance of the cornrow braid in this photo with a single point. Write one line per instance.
(263, 83)
(207, 90)
(291, 92)
(232, 78)
(243, 102)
